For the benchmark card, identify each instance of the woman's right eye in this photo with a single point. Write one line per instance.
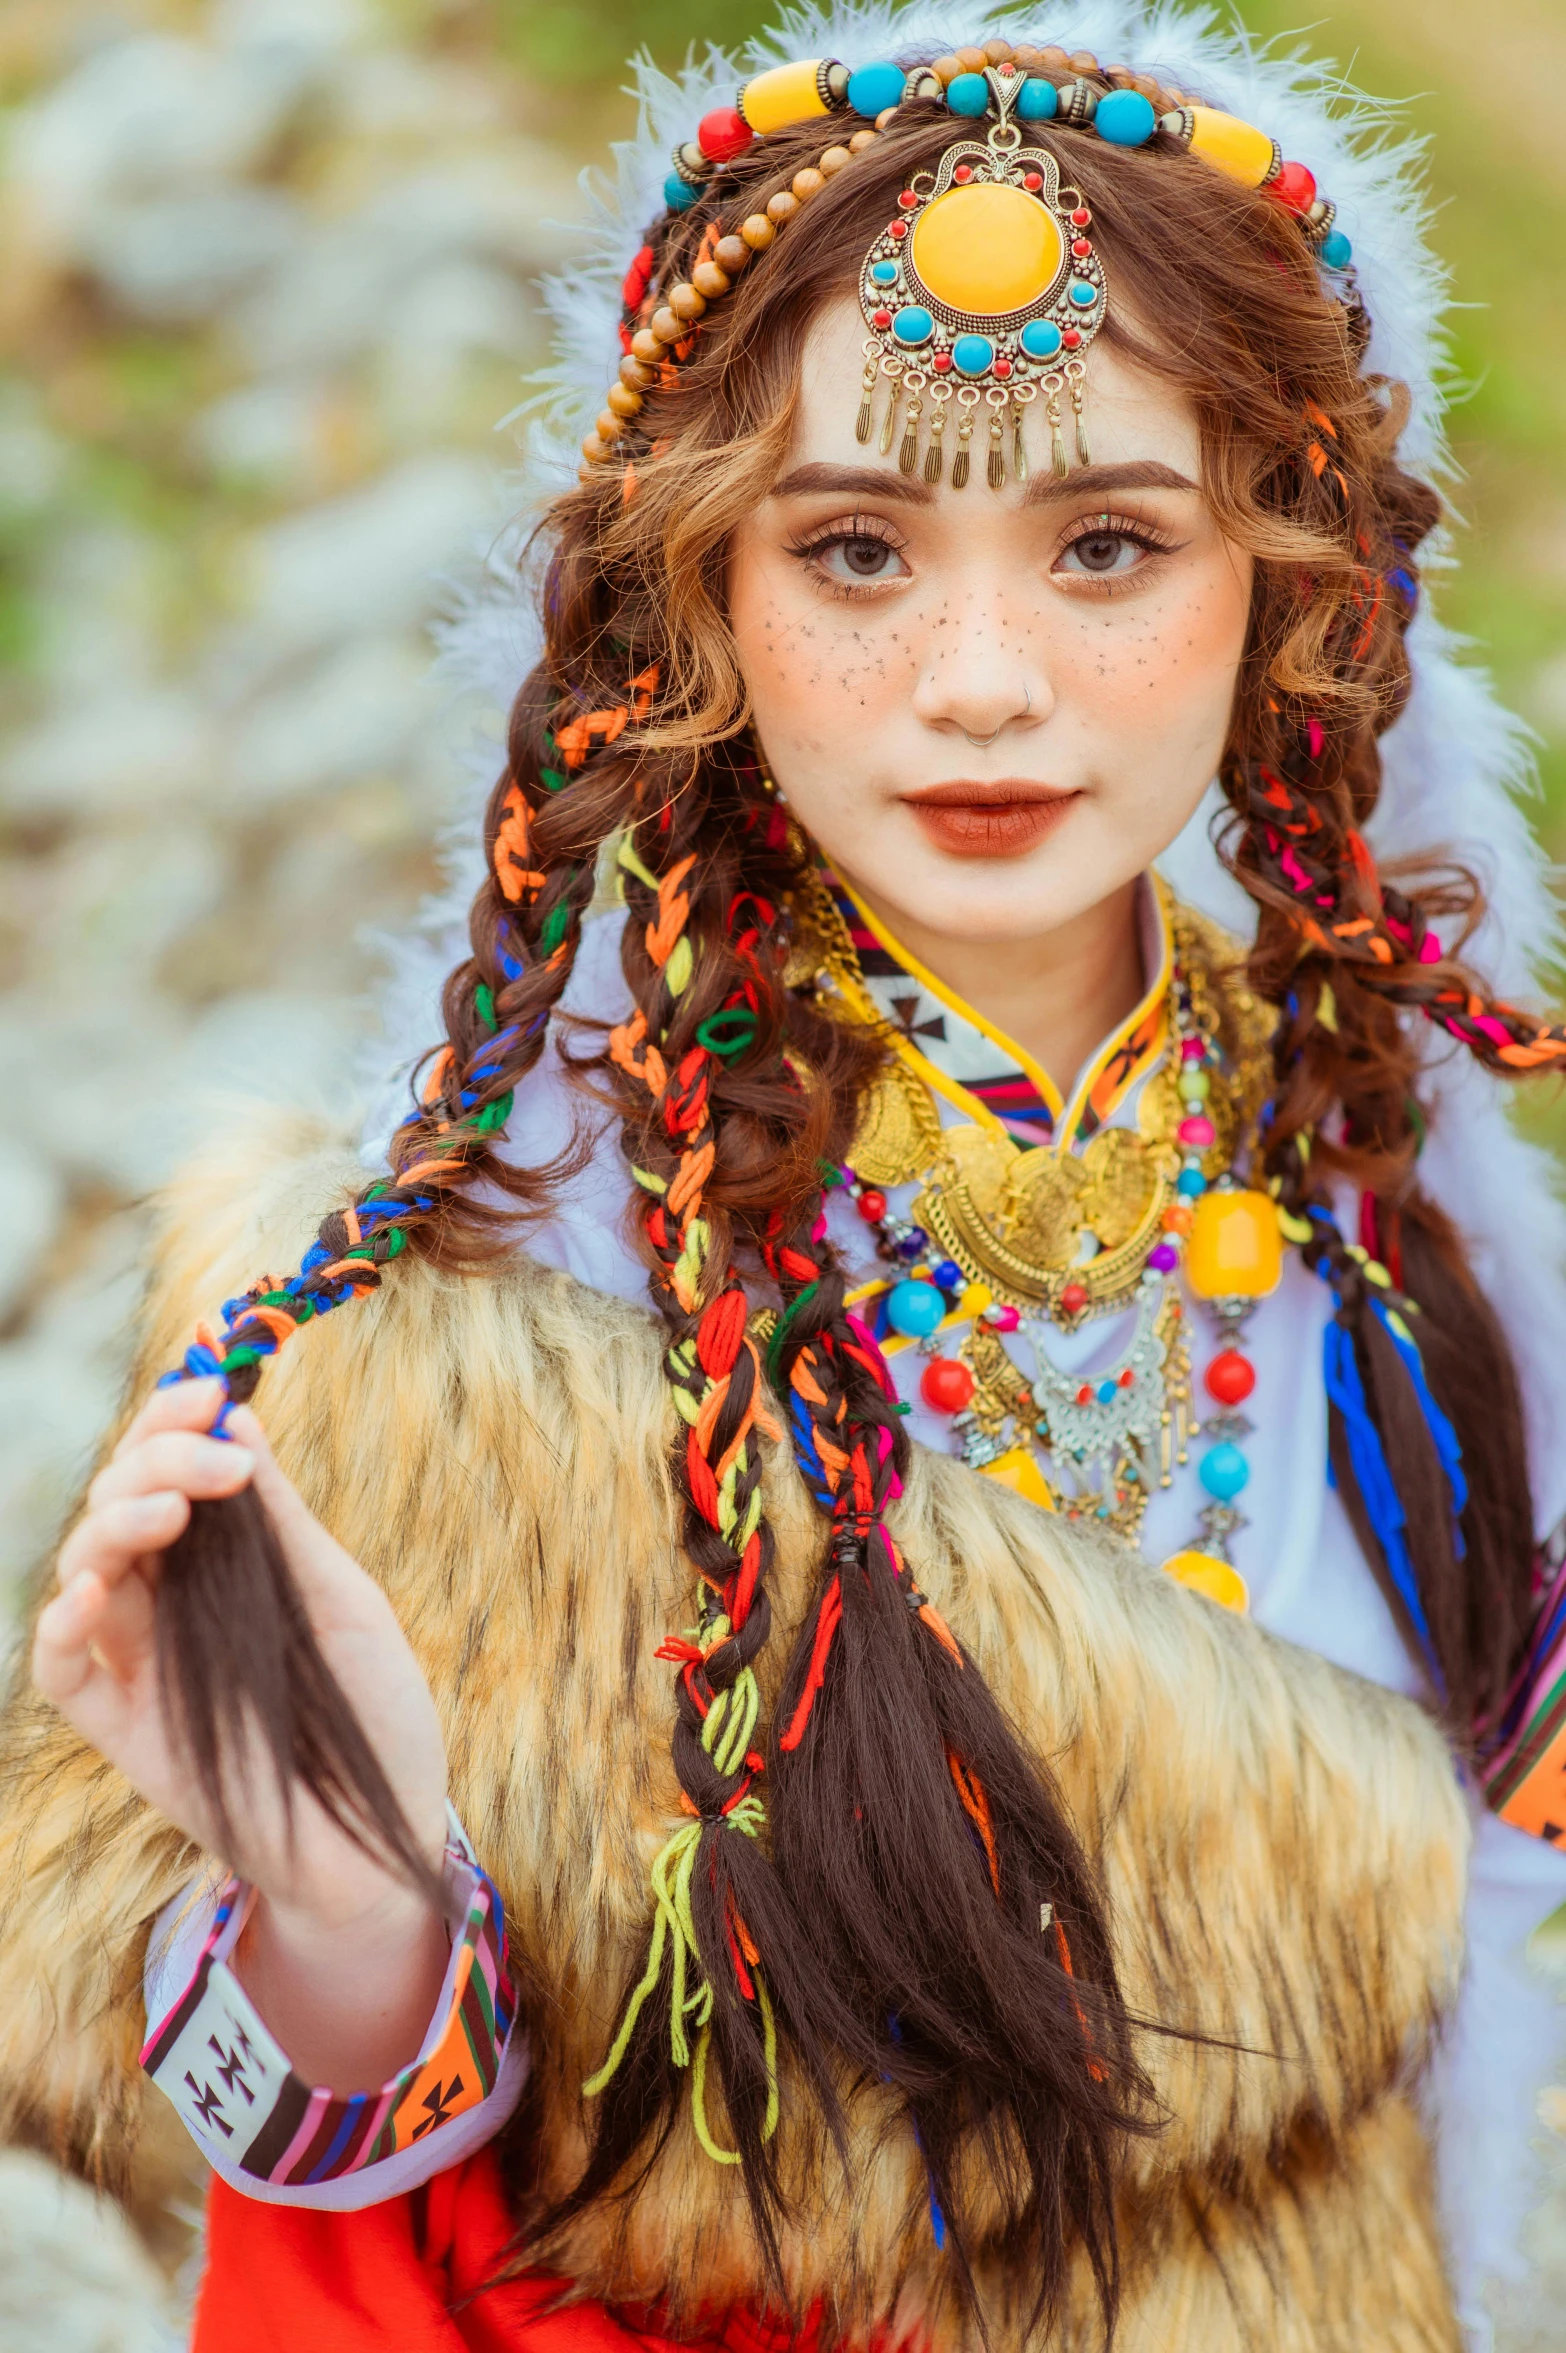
(859, 558)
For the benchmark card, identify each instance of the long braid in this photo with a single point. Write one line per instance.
(722, 1975)
(1424, 1419)
(897, 1773)
(232, 1632)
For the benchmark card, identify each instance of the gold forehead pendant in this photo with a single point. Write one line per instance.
(985, 290)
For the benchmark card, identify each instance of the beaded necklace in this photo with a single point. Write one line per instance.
(1007, 1242)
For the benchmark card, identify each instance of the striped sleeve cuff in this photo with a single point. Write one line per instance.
(280, 2139)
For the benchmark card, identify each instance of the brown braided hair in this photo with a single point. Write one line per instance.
(734, 1089)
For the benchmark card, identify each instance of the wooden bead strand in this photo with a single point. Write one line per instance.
(667, 336)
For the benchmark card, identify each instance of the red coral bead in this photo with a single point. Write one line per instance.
(1002, 367)
(1085, 1393)
(908, 200)
(1081, 218)
(1033, 181)
(964, 171)
(1071, 338)
(1295, 187)
(942, 363)
(723, 133)
(1230, 1377)
(1074, 1298)
(897, 229)
(946, 1384)
(871, 1206)
(881, 318)
(1082, 247)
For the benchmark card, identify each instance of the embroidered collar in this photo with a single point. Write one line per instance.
(977, 1067)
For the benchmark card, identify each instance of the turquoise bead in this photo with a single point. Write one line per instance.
(1081, 294)
(1036, 100)
(1125, 118)
(884, 272)
(1040, 338)
(678, 194)
(968, 94)
(915, 1309)
(1191, 1183)
(873, 88)
(1107, 1392)
(913, 325)
(973, 355)
(1336, 251)
(1224, 1472)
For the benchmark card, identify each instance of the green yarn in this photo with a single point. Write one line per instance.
(556, 924)
(494, 1115)
(775, 1344)
(727, 1033)
(484, 1006)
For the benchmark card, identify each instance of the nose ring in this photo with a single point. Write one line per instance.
(979, 741)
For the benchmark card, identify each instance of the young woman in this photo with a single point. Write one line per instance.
(1000, 450)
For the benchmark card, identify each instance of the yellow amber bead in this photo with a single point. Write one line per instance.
(1018, 1471)
(784, 94)
(1235, 1250)
(1203, 1572)
(986, 249)
(1231, 146)
(976, 1298)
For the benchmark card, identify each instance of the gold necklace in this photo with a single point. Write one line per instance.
(1061, 1237)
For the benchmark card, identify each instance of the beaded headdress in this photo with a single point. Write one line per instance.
(985, 289)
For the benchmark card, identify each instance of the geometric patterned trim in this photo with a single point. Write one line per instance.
(937, 1032)
(239, 2097)
(1524, 1775)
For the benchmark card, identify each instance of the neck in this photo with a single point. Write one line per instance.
(1058, 994)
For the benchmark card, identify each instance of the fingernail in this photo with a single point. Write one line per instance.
(240, 1458)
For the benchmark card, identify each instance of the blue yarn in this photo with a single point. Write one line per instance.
(894, 2027)
(1372, 1476)
(805, 1449)
(1441, 1431)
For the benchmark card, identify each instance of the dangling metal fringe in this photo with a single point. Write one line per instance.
(908, 454)
(960, 461)
(889, 422)
(1084, 454)
(935, 455)
(867, 385)
(1059, 462)
(995, 470)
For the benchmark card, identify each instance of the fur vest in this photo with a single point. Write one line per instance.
(1282, 1845)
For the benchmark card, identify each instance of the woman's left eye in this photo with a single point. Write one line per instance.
(1102, 555)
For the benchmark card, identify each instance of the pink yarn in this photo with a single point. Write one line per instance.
(872, 1349)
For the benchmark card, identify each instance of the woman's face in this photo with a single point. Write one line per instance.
(990, 709)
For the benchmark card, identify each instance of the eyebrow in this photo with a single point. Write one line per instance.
(855, 482)
(913, 490)
(1098, 481)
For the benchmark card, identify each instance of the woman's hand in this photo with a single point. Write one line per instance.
(329, 1910)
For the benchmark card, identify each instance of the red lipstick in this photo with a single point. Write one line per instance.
(1003, 819)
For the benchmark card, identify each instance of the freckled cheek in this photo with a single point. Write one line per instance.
(1167, 661)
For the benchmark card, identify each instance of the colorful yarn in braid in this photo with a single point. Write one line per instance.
(233, 1634)
(721, 1936)
(1347, 954)
(896, 1773)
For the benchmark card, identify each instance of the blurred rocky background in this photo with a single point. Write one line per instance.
(267, 285)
